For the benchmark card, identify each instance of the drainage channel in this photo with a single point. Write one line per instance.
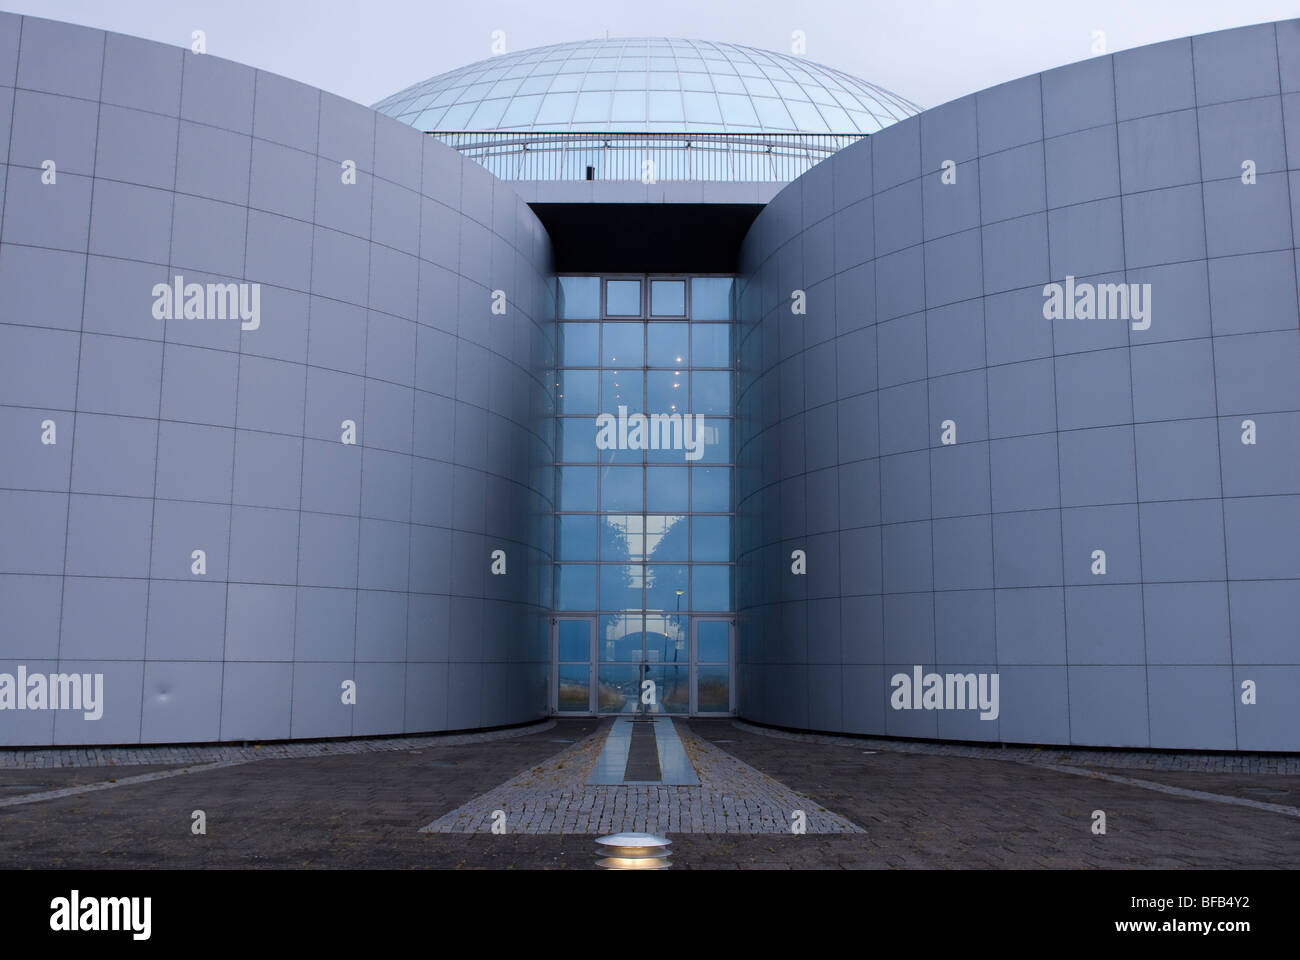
(642, 755)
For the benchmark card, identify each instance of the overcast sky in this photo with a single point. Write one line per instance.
(929, 51)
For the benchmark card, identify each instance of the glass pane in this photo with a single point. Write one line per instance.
(622, 538)
(592, 108)
(557, 108)
(613, 454)
(711, 299)
(577, 488)
(574, 638)
(713, 688)
(578, 391)
(575, 586)
(629, 106)
(717, 441)
(620, 489)
(701, 107)
(667, 587)
(670, 688)
(624, 345)
(712, 586)
(578, 440)
(575, 692)
(619, 638)
(621, 388)
(576, 538)
(667, 297)
(579, 345)
(713, 641)
(668, 344)
(666, 538)
(711, 345)
(620, 586)
(711, 489)
(737, 110)
(712, 392)
(579, 298)
(711, 539)
(667, 391)
(619, 689)
(666, 489)
(623, 298)
(665, 638)
(666, 107)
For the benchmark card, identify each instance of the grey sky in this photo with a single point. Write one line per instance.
(929, 51)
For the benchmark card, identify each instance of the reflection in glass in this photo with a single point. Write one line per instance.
(619, 689)
(667, 297)
(624, 345)
(574, 640)
(668, 344)
(713, 688)
(619, 639)
(666, 538)
(666, 638)
(623, 298)
(667, 587)
(620, 586)
(667, 391)
(579, 298)
(622, 537)
(672, 559)
(621, 388)
(667, 489)
(670, 686)
(579, 345)
(575, 538)
(575, 691)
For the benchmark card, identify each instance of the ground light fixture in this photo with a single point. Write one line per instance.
(633, 851)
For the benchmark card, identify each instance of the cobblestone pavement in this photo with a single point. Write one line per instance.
(554, 797)
(365, 807)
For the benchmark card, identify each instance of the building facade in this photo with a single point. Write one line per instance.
(669, 375)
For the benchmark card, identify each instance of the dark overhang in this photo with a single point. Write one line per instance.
(646, 237)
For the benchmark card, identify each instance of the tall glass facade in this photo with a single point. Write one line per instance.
(644, 522)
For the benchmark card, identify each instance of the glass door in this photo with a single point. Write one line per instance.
(643, 663)
(712, 689)
(572, 640)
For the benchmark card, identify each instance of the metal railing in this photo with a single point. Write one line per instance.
(648, 157)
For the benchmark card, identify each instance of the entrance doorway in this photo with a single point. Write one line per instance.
(642, 665)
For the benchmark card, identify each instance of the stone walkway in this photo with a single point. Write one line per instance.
(554, 797)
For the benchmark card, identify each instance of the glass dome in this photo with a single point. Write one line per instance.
(653, 85)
